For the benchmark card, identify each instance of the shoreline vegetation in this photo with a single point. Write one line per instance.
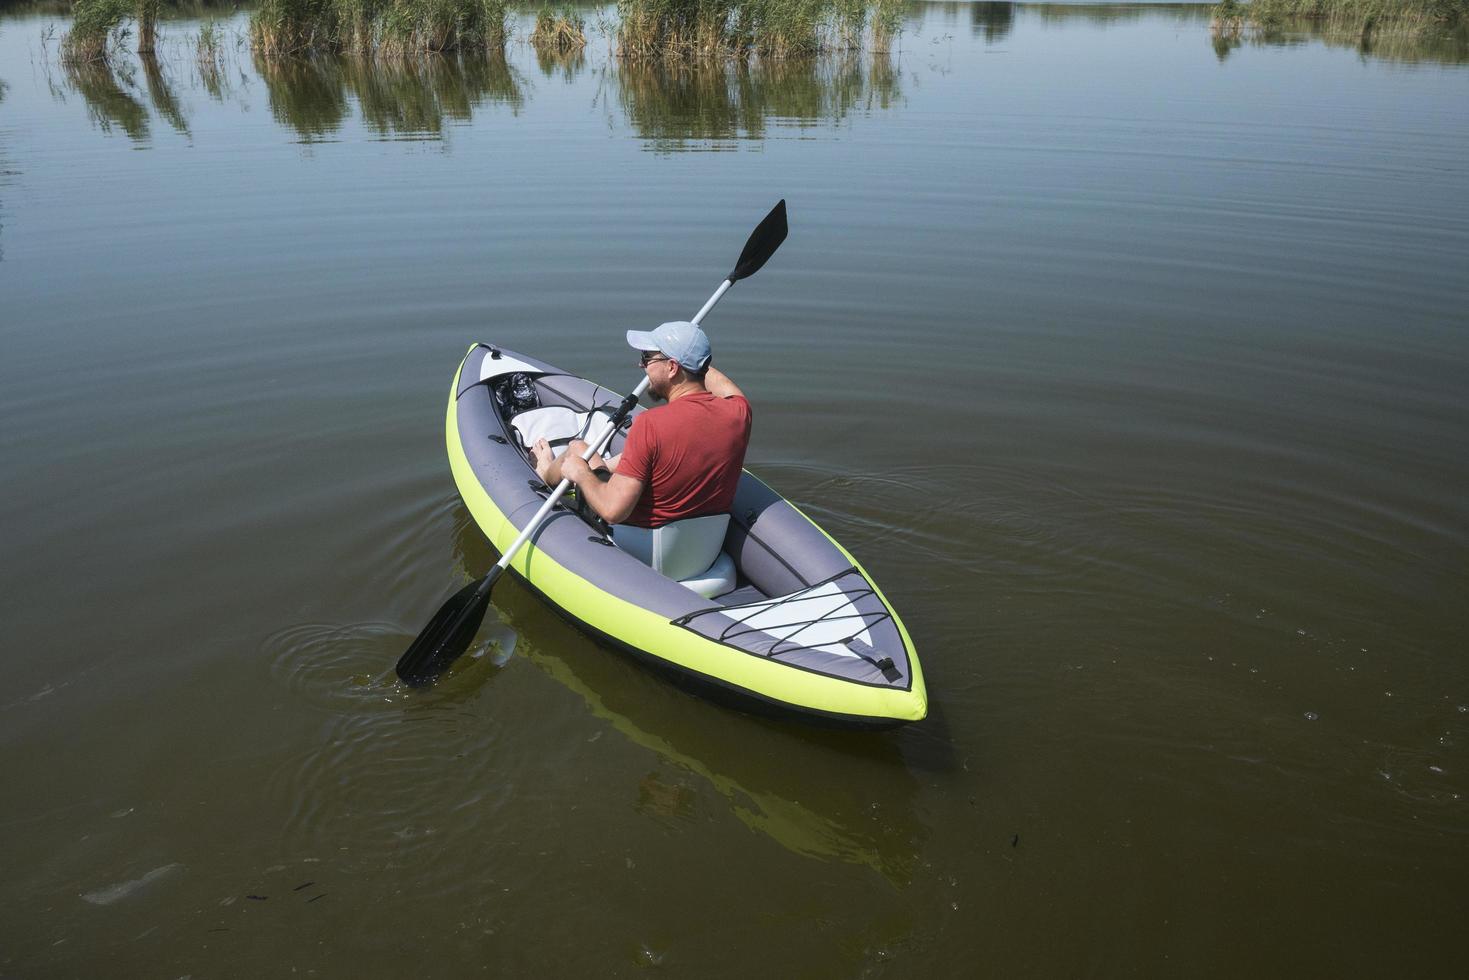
(95, 27)
(383, 27)
(676, 31)
(1360, 19)
(671, 101)
(641, 30)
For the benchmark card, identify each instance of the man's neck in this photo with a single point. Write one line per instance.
(685, 388)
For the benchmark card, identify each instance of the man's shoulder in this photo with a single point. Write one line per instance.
(693, 406)
(705, 400)
(738, 403)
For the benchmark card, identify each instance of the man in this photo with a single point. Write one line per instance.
(680, 460)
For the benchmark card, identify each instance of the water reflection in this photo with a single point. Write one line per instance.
(1106, 15)
(711, 105)
(109, 103)
(6, 174)
(1433, 47)
(305, 94)
(162, 95)
(1224, 42)
(398, 98)
(568, 63)
(810, 795)
(672, 108)
(992, 21)
(211, 74)
(830, 795)
(114, 98)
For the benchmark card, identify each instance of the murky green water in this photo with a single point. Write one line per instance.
(1131, 365)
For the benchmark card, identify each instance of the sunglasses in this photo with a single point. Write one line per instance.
(651, 357)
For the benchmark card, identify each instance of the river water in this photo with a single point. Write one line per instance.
(1131, 363)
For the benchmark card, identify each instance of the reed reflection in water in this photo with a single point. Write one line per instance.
(711, 105)
(992, 21)
(109, 96)
(566, 62)
(397, 97)
(673, 107)
(1440, 47)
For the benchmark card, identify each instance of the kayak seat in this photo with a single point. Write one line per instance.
(556, 424)
(689, 551)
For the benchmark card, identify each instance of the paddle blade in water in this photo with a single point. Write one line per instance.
(448, 634)
(763, 242)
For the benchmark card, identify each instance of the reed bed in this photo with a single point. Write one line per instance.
(644, 29)
(386, 27)
(209, 56)
(562, 30)
(93, 26)
(654, 28)
(1227, 22)
(145, 12)
(887, 23)
(210, 61)
(683, 29)
(96, 26)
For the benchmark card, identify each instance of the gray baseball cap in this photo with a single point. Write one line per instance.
(679, 339)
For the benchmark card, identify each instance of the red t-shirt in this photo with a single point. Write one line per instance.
(688, 454)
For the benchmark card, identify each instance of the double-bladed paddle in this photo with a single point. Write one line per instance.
(453, 627)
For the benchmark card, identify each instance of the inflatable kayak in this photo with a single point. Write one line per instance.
(782, 619)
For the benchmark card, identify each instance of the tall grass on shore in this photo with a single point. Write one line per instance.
(146, 13)
(92, 26)
(209, 57)
(561, 30)
(655, 28)
(1227, 22)
(684, 29)
(1347, 17)
(389, 27)
(887, 22)
(96, 23)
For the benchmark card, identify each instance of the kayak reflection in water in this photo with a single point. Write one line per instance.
(681, 460)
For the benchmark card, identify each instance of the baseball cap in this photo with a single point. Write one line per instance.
(679, 339)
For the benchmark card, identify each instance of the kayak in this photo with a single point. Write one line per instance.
(782, 621)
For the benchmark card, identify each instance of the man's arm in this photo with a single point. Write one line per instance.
(719, 385)
(613, 500)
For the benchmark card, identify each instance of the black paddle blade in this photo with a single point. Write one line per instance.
(448, 634)
(764, 240)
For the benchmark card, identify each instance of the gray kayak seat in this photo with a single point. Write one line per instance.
(689, 551)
